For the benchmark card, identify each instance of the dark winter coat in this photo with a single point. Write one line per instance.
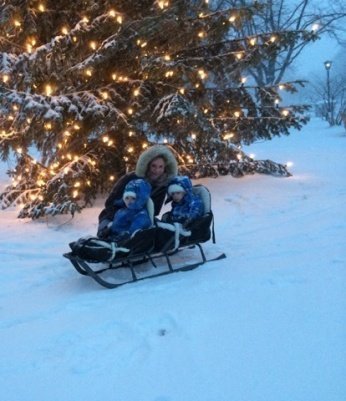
(190, 207)
(135, 217)
(158, 192)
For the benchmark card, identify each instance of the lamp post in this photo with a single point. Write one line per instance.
(328, 66)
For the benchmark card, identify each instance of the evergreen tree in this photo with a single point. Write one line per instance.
(87, 85)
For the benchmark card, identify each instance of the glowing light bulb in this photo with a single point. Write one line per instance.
(202, 74)
(273, 39)
(64, 30)
(232, 18)
(48, 89)
(93, 45)
(285, 113)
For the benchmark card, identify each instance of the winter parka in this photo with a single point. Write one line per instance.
(190, 207)
(134, 217)
(158, 192)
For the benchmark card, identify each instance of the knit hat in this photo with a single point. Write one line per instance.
(175, 188)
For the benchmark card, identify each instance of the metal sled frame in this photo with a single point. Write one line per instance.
(83, 267)
(158, 249)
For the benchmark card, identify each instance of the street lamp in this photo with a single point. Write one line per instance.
(328, 66)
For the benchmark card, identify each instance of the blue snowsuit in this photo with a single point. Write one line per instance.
(135, 217)
(190, 207)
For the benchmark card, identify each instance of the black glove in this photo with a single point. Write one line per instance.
(187, 223)
(121, 238)
(104, 232)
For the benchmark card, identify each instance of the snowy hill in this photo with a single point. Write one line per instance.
(266, 324)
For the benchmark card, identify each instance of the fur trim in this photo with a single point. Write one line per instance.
(129, 193)
(151, 153)
(175, 188)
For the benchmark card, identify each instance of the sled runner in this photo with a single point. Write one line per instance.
(98, 259)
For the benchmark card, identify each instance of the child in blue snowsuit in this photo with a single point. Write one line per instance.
(186, 206)
(133, 214)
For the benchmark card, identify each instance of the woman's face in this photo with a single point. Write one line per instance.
(156, 168)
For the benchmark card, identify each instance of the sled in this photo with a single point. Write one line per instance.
(161, 241)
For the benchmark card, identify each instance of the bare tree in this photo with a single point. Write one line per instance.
(290, 16)
(328, 93)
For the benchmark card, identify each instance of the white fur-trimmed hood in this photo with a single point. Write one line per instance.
(151, 153)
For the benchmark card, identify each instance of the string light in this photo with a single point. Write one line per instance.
(202, 74)
(64, 30)
(5, 78)
(163, 4)
(105, 95)
(93, 44)
(228, 136)
(48, 89)
(273, 38)
(285, 113)
(41, 7)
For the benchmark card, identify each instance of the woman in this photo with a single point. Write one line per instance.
(158, 166)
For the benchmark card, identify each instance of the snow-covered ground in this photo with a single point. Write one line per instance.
(266, 324)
